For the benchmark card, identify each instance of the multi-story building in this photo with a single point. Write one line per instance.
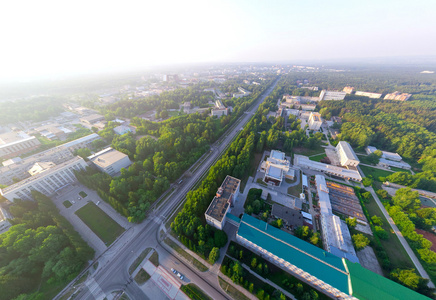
(335, 234)
(5, 216)
(276, 168)
(389, 159)
(398, 96)
(368, 94)
(82, 142)
(14, 144)
(225, 196)
(332, 95)
(348, 89)
(346, 154)
(336, 277)
(110, 161)
(219, 109)
(315, 121)
(47, 181)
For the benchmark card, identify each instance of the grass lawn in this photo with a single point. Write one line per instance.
(375, 173)
(231, 290)
(175, 113)
(186, 255)
(318, 157)
(307, 151)
(397, 255)
(154, 259)
(100, 223)
(194, 292)
(261, 182)
(82, 194)
(142, 277)
(138, 260)
(363, 159)
(295, 190)
(67, 203)
(400, 170)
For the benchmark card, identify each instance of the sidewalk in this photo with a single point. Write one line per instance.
(403, 241)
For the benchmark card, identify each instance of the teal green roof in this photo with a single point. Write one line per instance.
(313, 260)
(232, 217)
(369, 285)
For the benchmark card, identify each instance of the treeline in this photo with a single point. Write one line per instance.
(41, 249)
(160, 157)
(35, 110)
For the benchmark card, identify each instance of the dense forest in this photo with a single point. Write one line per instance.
(161, 154)
(41, 252)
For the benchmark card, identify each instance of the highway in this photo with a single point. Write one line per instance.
(112, 272)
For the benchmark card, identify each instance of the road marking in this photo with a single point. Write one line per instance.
(95, 289)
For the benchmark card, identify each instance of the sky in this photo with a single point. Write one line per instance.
(49, 38)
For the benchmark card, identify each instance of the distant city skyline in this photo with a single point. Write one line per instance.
(51, 37)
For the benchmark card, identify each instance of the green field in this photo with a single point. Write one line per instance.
(318, 157)
(194, 292)
(100, 223)
(67, 203)
(374, 173)
(142, 277)
(83, 194)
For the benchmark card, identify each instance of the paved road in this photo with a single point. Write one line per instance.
(112, 273)
(403, 241)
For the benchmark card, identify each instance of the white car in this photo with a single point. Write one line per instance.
(174, 271)
(180, 275)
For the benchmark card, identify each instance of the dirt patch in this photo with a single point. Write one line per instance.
(429, 236)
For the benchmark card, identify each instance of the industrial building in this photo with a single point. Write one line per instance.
(14, 144)
(47, 180)
(276, 168)
(370, 95)
(398, 96)
(335, 234)
(228, 193)
(110, 161)
(346, 154)
(331, 95)
(348, 174)
(315, 121)
(337, 277)
(91, 119)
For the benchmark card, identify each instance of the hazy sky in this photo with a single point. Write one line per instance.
(51, 37)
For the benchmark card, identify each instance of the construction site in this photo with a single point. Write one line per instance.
(344, 200)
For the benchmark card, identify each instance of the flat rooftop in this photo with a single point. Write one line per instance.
(218, 207)
(277, 155)
(291, 216)
(108, 157)
(274, 172)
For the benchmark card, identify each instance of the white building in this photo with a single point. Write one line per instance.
(389, 159)
(332, 95)
(5, 216)
(91, 119)
(315, 121)
(348, 174)
(219, 109)
(14, 144)
(346, 154)
(47, 181)
(276, 168)
(228, 193)
(335, 234)
(370, 95)
(110, 161)
(122, 129)
(82, 142)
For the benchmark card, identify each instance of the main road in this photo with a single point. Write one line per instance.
(112, 272)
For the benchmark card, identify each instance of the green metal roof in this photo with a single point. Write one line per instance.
(311, 259)
(370, 285)
(232, 217)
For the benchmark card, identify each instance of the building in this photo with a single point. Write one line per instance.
(348, 89)
(228, 193)
(219, 109)
(48, 181)
(331, 95)
(122, 129)
(315, 121)
(398, 96)
(335, 234)
(5, 216)
(14, 144)
(346, 154)
(242, 93)
(337, 277)
(91, 119)
(291, 217)
(110, 161)
(370, 95)
(82, 142)
(276, 168)
(389, 159)
(344, 173)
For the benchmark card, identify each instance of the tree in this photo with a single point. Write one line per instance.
(351, 222)
(280, 223)
(381, 233)
(377, 220)
(407, 199)
(366, 181)
(254, 262)
(373, 158)
(407, 278)
(360, 241)
(214, 255)
(220, 238)
(382, 194)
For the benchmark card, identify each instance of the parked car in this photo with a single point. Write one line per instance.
(174, 271)
(180, 275)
